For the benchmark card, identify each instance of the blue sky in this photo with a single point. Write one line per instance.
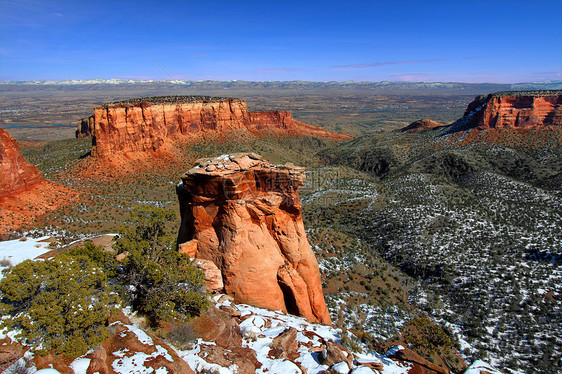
(463, 41)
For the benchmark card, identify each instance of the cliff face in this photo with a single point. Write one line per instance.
(16, 175)
(144, 125)
(24, 194)
(516, 110)
(245, 215)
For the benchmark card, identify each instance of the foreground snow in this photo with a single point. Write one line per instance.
(12, 252)
(260, 326)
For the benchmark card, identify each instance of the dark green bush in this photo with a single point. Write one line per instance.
(61, 303)
(171, 289)
(98, 256)
(161, 282)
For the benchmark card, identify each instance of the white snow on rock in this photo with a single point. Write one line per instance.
(134, 364)
(260, 326)
(281, 367)
(341, 368)
(199, 365)
(141, 335)
(478, 366)
(19, 250)
(363, 370)
(80, 365)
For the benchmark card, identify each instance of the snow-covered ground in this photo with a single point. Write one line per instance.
(259, 327)
(12, 252)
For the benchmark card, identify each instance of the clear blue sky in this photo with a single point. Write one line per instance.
(463, 41)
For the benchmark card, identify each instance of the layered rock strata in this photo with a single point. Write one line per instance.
(146, 124)
(24, 194)
(245, 215)
(515, 109)
(16, 174)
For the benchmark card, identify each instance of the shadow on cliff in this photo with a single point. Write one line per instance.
(543, 256)
(86, 155)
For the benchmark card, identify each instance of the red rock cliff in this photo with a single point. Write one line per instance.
(518, 109)
(144, 125)
(16, 175)
(24, 194)
(245, 215)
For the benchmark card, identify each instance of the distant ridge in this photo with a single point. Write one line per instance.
(382, 85)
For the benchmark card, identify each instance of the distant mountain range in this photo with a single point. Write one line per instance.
(305, 85)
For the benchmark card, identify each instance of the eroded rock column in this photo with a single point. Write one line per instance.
(244, 215)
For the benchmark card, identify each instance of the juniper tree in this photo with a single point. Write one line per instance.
(61, 303)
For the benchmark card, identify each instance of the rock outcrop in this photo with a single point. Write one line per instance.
(85, 127)
(24, 194)
(146, 124)
(514, 109)
(245, 215)
(421, 125)
(16, 174)
(420, 364)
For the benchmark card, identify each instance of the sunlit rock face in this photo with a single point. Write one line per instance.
(245, 215)
(16, 174)
(518, 109)
(147, 124)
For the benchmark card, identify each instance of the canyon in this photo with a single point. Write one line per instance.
(384, 187)
(244, 215)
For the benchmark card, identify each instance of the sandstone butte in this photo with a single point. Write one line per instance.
(145, 125)
(515, 109)
(24, 194)
(243, 216)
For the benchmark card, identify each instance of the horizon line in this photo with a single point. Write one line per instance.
(126, 80)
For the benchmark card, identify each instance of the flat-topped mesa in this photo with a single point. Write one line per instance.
(515, 109)
(16, 174)
(244, 215)
(146, 124)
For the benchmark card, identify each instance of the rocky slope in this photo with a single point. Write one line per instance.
(421, 125)
(244, 215)
(228, 338)
(514, 109)
(24, 194)
(17, 174)
(147, 124)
